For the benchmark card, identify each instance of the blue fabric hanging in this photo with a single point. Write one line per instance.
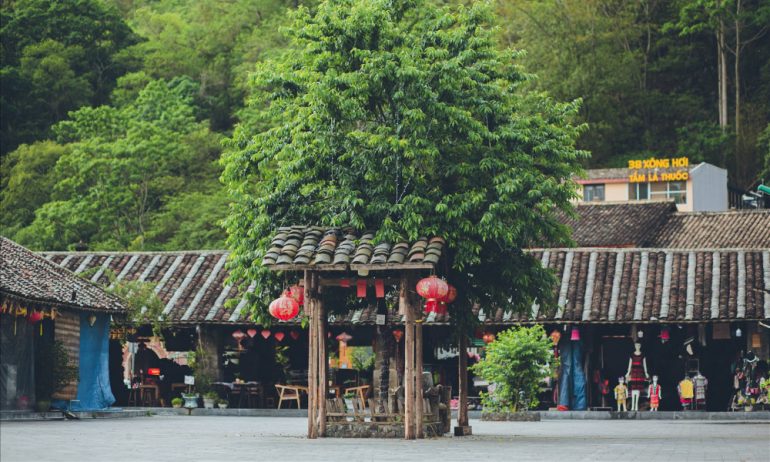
(565, 381)
(572, 383)
(94, 392)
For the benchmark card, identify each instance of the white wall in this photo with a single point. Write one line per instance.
(709, 188)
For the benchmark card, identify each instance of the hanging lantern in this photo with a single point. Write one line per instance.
(345, 283)
(238, 335)
(34, 317)
(397, 334)
(441, 308)
(361, 288)
(432, 289)
(555, 337)
(379, 288)
(251, 332)
(451, 294)
(294, 334)
(488, 337)
(265, 333)
(285, 307)
(344, 337)
(665, 335)
(575, 335)
(297, 292)
(279, 336)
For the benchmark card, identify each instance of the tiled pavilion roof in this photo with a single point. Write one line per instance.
(596, 285)
(617, 224)
(734, 229)
(26, 276)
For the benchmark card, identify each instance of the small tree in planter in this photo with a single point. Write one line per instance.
(516, 363)
(177, 402)
(53, 372)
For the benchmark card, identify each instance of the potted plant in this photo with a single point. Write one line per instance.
(177, 402)
(222, 403)
(53, 372)
(209, 399)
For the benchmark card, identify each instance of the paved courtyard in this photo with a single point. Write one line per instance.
(180, 438)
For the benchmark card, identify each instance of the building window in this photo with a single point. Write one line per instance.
(593, 192)
(665, 190)
(638, 191)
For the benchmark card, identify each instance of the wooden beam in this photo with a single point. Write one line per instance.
(406, 307)
(337, 282)
(392, 266)
(312, 355)
(418, 395)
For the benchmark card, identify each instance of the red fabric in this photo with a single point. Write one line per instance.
(637, 379)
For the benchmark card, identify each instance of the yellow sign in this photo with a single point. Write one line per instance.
(648, 170)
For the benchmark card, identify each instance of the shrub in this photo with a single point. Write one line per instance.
(516, 363)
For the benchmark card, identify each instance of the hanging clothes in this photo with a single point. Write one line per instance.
(572, 384)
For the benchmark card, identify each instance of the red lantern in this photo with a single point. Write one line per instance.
(361, 288)
(379, 288)
(252, 332)
(488, 337)
(285, 307)
(397, 334)
(265, 334)
(433, 289)
(451, 295)
(294, 334)
(34, 317)
(345, 283)
(279, 336)
(344, 337)
(297, 293)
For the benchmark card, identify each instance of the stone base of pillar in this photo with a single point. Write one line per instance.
(465, 430)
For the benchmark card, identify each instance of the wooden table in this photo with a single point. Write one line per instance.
(360, 391)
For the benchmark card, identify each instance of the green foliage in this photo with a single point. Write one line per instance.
(409, 120)
(53, 370)
(121, 166)
(363, 359)
(177, 401)
(143, 306)
(516, 363)
(56, 57)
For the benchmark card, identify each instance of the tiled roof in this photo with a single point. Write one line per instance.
(596, 285)
(617, 224)
(300, 247)
(30, 277)
(734, 229)
(654, 285)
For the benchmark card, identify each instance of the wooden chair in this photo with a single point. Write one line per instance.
(288, 392)
(379, 411)
(359, 410)
(254, 395)
(336, 411)
(361, 391)
(133, 397)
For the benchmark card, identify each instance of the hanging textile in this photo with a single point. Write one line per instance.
(94, 390)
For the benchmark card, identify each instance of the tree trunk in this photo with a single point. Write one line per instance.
(722, 65)
(737, 74)
(462, 381)
(312, 355)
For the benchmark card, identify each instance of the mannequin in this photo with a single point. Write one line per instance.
(700, 384)
(636, 375)
(621, 394)
(686, 392)
(653, 391)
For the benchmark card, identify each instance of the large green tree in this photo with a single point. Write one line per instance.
(407, 119)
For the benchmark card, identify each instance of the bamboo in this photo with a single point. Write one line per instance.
(406, 307)
(419, 411)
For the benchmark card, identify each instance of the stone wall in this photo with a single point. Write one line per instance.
(375, 430)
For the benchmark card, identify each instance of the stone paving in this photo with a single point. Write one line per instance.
(177, 438)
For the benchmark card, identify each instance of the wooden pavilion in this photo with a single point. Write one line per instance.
(333, 258)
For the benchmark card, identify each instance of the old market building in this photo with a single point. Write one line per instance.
(690, 287)
(41, 302)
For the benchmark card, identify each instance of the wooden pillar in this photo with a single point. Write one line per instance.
(312, 355)
(322, 360)
(462, 428)
(406, 308)
(419, 411)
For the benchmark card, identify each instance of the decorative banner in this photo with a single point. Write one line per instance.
(379, 288)
(265, 334)
(361, 288)
(251, 332)
(345, 283)
(279, 336)
(294, 334)
(649, 170)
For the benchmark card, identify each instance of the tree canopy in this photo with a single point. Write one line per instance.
(409, 121)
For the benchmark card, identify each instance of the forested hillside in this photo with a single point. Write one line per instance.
(115, 113)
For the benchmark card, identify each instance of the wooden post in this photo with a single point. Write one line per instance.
(322, 361)
(462, 428)
(419, 411)
(312, 354)
(406, 308)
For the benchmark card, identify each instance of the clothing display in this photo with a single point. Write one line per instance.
(621, 392)
(686, 391)
(700, 383)
(654, 393)
(637, 379)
